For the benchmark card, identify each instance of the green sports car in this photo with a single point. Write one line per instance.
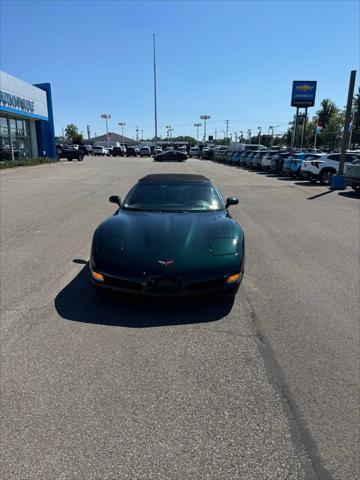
(172, 235)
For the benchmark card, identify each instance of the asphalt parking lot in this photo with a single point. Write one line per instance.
(115, 387)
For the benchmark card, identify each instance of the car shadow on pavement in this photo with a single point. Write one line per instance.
(80, 302)
(306, 183)
(350, 194)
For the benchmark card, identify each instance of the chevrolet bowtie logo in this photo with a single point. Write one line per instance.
(166, 263)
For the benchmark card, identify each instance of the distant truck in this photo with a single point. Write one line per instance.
(242, 147)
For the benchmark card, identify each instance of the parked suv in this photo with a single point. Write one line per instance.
(71, 154)
(324, 167)
(117, 151)
(131, 152)
(99, 151)
(145, 152)
(352, 175)
(292, 165)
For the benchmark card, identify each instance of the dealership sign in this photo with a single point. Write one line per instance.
(303, 94)
(16, 102)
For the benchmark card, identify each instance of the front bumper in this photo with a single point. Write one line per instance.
(169, 285)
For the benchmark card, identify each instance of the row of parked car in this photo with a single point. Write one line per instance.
(309, 165)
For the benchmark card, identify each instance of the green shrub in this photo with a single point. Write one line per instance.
(27, 162)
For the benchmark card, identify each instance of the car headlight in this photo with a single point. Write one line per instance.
(224, 246)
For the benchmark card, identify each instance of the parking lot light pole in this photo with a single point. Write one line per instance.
(204, 117)
(106, 116)
(122, 125)
(249, 135)
(197, 125)
(155, 94)
(338, 181)
(259, 128)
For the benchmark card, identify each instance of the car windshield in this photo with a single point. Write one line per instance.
(173, 197)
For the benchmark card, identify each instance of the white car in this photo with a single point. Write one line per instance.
(99, 151)
(324, 167)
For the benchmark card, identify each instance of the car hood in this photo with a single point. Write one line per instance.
(165, 234)
(132, 243)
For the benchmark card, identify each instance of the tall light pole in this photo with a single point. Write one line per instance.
(106, 116)
(241, 136)
(259, 128)
(155, 103)
(168, 128)
(122, 125)
(204, 117)
(142, 134)
(249, 134)
(197, 125)
(227, 128)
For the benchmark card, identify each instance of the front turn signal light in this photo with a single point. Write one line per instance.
(233, 278)
(97, 276)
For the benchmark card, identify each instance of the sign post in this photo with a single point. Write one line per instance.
(303, 96)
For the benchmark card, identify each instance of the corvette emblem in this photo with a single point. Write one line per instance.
(166, 263)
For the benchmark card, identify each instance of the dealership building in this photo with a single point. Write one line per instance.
(26, 119)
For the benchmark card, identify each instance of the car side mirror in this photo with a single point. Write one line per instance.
(115, 199)
(231, 201)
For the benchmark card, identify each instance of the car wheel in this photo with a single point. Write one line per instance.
(80, 158)
(325, 176)
(70, 159)
(356, 188)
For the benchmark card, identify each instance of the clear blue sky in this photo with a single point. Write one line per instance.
(232, 60)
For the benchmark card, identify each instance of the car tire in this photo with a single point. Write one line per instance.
(70, 159)
(80, 158)
(356, 188)
(325, 176)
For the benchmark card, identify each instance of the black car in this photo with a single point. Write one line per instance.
(71, 154)
(172, 235)
(117, 151)
(5, 154)
(86, 149)
(171, 155)
(131, 152)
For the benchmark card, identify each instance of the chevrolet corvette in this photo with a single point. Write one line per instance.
(172, 235)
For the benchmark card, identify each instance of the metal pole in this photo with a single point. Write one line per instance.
(347, 122)
(205, 130)
(303, 129)
(351, 129)
(295, 126)
(122, 133)
(316, 134)
(107, 131)
(155, 103)
(227, 128)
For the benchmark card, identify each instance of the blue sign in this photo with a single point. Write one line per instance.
(303, 94)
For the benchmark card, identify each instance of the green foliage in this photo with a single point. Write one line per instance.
(72, 133)
(355, 136)
(327, 110)
(26, 162)
(330, 136)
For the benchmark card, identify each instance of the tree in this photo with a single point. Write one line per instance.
(327, 110)
(355, 136)
(72, 133)
(330, 136)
